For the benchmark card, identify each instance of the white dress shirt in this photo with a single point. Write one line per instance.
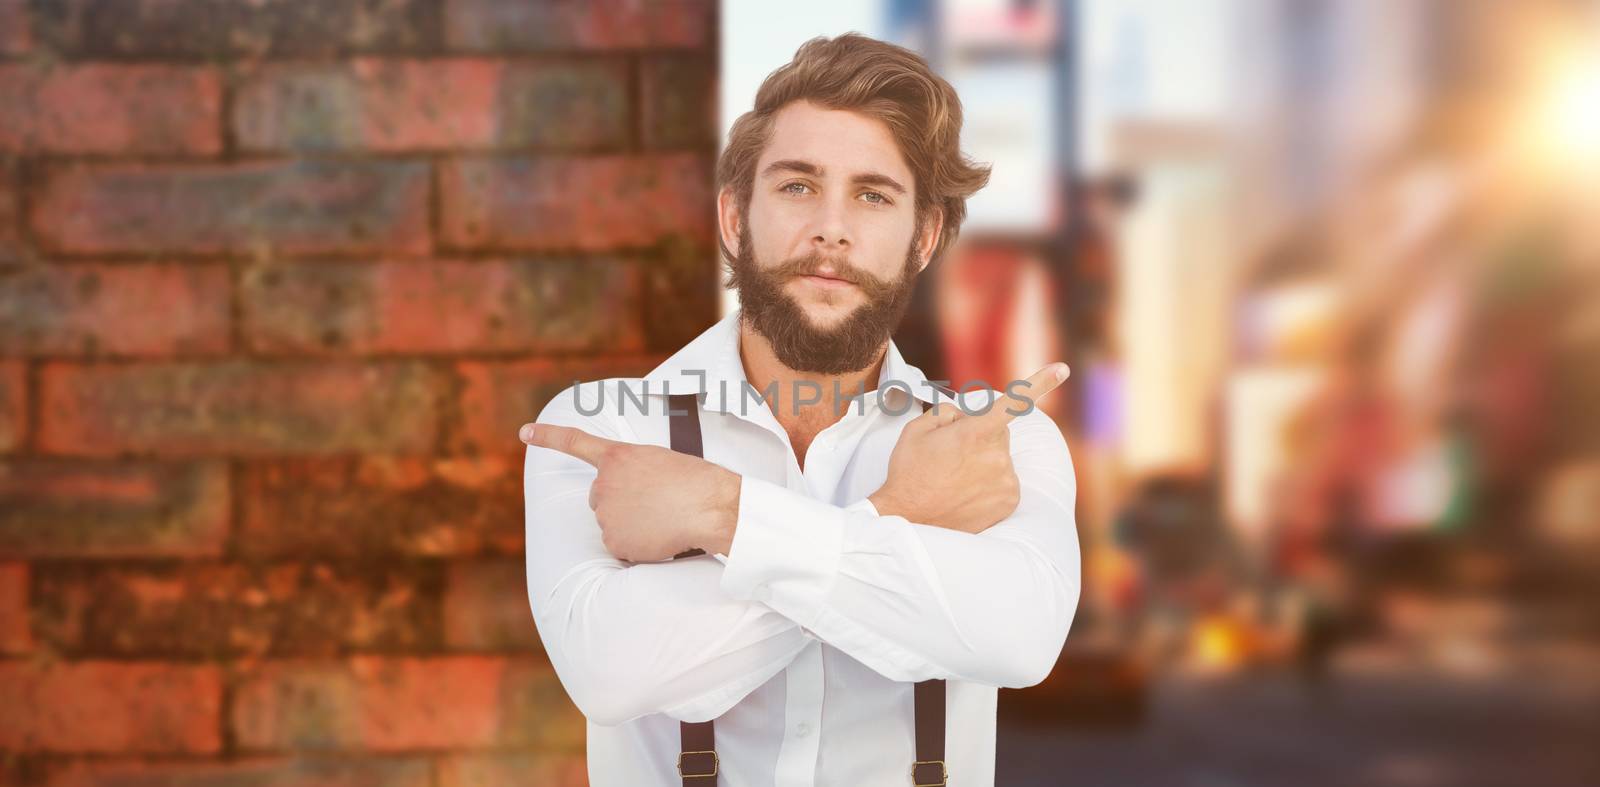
(804, 641)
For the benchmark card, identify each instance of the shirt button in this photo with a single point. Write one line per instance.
(802, 729)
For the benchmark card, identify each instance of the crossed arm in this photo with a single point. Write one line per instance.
(913, 601)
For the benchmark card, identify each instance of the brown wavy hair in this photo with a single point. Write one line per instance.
(876, 78)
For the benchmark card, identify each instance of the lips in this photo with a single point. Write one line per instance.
(826, 281)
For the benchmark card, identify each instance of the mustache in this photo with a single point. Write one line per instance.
(811, 264)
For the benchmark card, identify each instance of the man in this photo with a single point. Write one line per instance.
(854, 544)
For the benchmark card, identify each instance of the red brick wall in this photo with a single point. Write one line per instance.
(278, 281)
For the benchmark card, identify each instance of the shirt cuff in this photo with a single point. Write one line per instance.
(785, 551)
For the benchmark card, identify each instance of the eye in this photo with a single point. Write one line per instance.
(881, 199)
(785, 187)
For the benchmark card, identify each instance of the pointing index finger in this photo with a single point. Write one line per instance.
(1021, 396)
(568, 440)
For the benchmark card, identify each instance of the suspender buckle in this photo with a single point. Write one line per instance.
(713, 764)
(936, 781)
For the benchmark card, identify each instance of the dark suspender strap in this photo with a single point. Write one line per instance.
(697, 758)
(683, 413)
(929, 704)
(698, 761)
(929, 769)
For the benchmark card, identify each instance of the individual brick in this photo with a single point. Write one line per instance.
(495, 26)
(550, 305)
(219, 28)
(214, 610)
(497, 398)
(391, 105)
(378, 704)
(377, 507)
(249, 772)
(238, 407)
(592, 203)
(116, 108)
(290, 207)
(92, 310)
(486, 607)
(52, 508)
(677, 95)
(110, 707)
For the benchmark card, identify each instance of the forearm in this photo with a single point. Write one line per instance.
(911, 601)
(627, 641)
(915, 601)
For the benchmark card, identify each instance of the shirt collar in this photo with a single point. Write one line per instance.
(710, 364)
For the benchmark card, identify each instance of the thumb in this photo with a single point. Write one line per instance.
(932, 418)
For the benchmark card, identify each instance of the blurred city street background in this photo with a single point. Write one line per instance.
(279, 281)
(1328, 276)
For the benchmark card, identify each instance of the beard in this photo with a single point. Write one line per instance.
(848, 346)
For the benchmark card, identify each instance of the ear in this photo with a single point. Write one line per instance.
(728, 219)
(930, 238)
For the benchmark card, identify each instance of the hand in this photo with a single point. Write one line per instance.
(651, 502)
(952, 469)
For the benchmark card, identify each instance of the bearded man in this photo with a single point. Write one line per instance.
(786, 530)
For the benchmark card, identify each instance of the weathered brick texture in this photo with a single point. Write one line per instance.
(238, 407)
(486, 607)
(381, 507)
(13, 405)
(528, 203)
(538, 306)
(217, 28)
(11, 249)
(411, 105)
(491, 25)
(61, 508)
(555, 769)
(92, 310)
(498, 397)
(16, 30)
(279, 280)
(678, 94)
(110, 707)
(253, 772)
(100, 108)
(16, 636)
(394, 705)
(281, 207)
(219, 609)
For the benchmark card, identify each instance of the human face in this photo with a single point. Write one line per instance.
(826, 255)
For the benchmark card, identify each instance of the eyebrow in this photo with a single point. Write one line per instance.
(808, 168)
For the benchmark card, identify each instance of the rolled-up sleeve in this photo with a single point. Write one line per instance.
(627, 639)
(916, 601)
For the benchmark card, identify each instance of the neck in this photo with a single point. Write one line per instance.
(806, 402)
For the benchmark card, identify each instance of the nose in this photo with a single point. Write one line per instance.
(832, 234)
